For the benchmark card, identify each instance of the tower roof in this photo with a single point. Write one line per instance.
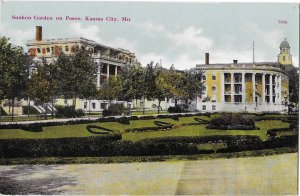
(284, 44)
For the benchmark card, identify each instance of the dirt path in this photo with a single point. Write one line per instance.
(260, 175)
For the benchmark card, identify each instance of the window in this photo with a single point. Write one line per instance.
(48, 50)
(85, 105)
(213, 107)
(60, 49)
(103, 105)
(204, 107)
(52, 50)
(213, 77)
(213, 88)
(94, 105)
(66, 48)
(38, 50)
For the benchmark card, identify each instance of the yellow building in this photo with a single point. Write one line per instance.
(246, 87)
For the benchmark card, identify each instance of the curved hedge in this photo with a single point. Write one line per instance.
(91, 127)
(231, 122)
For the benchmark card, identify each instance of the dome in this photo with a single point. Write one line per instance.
(284, 44)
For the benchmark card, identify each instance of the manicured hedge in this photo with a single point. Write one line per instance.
(202, 139)
(143, 129)
(273, 132)
(106, 145)
(106, 131)
(231, 122)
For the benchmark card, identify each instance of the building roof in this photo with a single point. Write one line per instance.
(284, 44)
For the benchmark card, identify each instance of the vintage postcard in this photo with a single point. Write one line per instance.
(149, 98)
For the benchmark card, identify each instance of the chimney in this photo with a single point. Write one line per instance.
(38, 33)
(207, 58)
(235, 61)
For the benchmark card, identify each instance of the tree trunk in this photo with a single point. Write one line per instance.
(74, 102)
(12, 109)
(89, 108)
(28, 111)
(143, 105)
(158, 108)
(52, 107)
(176, 101)
(0, 109)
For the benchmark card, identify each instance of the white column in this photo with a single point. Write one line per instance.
(232, 88)
(107, 71)
(275, 89)
(222, 79)
(279, 89)
(243, 88)
(271, 89)
(98, 75)
(253, 87)
(263, 87)
(116, 71)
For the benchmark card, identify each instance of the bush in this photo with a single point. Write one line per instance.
(114, 110)
(3, 113)
(31, 109)
(175, 109)
(68, 112)
(232, 121)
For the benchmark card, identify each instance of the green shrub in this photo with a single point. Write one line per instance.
(175, 109)
(3, 113)
(68, 112)
(31, 109)
(232, 121)
(114, 110)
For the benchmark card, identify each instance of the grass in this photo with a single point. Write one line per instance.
(80, 130)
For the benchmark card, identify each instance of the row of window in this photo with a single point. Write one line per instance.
(213, 107)
(52, 49)
(102, 105)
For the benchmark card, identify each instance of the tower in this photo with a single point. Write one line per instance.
(284, 57)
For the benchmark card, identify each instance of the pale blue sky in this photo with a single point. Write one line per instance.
(178, 33)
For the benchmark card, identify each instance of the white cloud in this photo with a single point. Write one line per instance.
(89, 32)
(295, 60)
(17, 37)
(270, 38)
(122, 43)
(192, 39)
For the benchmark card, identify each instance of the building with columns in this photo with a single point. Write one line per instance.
(246, 87)
(109, 60)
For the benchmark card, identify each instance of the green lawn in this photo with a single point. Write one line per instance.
(81, 131)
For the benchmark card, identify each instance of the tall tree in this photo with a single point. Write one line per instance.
(111, 89)
(191, 85)
(13, 72)
(40, 87)
(293, 74)
(76, 74)
(132, 77)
